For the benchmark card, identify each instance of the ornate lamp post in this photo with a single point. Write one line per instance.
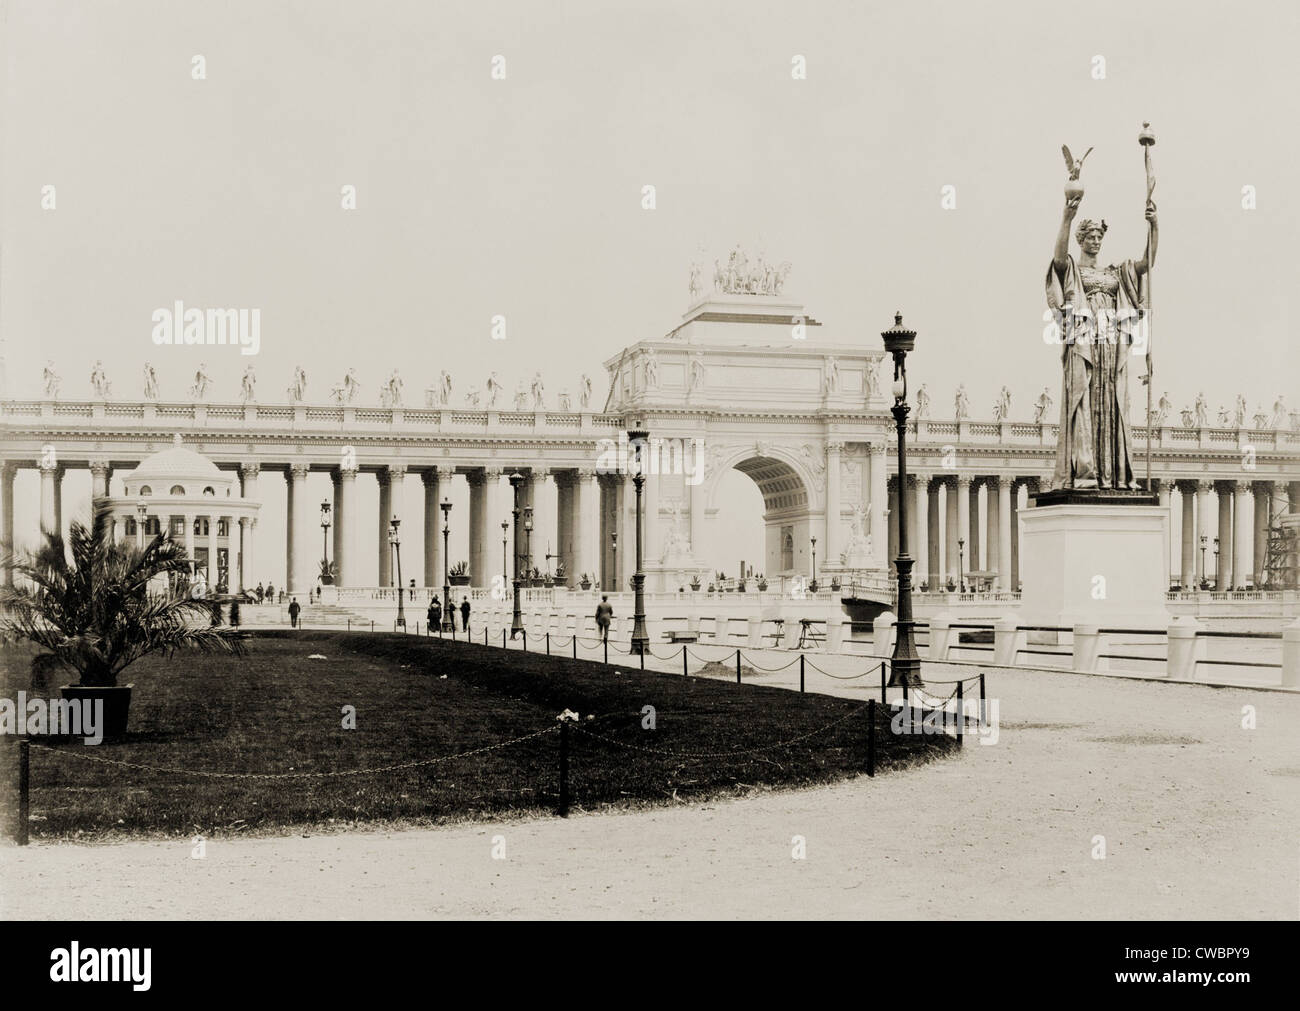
(395, 542)
(447, 615)
(324, 538)
(813, 585)
(1204, 579)
(517, 620)
(1217, 577)
(640, 637)
(613, 547)
(961, 564)
(141, 513)
(905, 668)
(505, 568)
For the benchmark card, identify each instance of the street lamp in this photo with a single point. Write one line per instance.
(906, 666)
(324, 538)
(813, 585)
(640, 638)
(517, 620)
(448, 614)
(141, 510)
(961, 566)
(505, 568)
(395, 542)
(1217, 577)
(613, 548)
(1204, 579)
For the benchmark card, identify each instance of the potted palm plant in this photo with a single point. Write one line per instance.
(459, 574)
(585, 582)
(327, 571)
(96, 606)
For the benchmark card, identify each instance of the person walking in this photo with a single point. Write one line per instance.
(464, 614)
(294, 610)
(604, 613)
(261, 592)
(435, 614)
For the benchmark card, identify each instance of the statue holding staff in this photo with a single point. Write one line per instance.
(1100, 308)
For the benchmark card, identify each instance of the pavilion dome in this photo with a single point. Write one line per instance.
(178, 471)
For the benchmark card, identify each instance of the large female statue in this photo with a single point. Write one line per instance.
(1100, 308)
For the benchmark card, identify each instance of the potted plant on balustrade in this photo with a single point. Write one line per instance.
(561, 574)
(327, 573)
(762, 582)
(585, 581)
(459, 574)
(96, 606)
(695, 583)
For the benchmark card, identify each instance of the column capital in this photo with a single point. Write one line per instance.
(250, 469)
(99, 468)
(396, 471)
(587, 473)
(48, 466)
(963, 480)
(1242, 485)
(877, 448)
(430, 477)
(1205, 484)
(493, 473)
(834, 445)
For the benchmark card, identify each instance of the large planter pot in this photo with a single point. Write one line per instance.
(458, 580)
(117, 704)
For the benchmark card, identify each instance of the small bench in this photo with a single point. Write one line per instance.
(676, 636)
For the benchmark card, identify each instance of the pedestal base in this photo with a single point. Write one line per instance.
(1094, 564)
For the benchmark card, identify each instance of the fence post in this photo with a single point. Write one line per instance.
(800, 672)
(961, 714)
(686, 671)
(372, 625)
(503, 637)
(643, 652)
(24, 791)
(871, 737)
(981, 701)
(525, 631)
(737, 666)
(884, 680)
(548, 643)
(563, 811)
(575, 644)
(606, 641)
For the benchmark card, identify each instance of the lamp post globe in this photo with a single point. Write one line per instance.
(905, 668)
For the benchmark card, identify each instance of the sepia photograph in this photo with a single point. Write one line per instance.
(648, 461)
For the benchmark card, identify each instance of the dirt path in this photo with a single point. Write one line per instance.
(1201, 819)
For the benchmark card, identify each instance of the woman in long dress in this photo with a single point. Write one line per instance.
(1100, 308)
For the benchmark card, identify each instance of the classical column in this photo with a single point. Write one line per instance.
(625, 557)
(1261, 504)
(1243, 527)
(1203, 491)
(345, 528)
(1004, 534)
(246, 524)
(953, 497)
(1013, 531)
(586, 526)
(972, 529)
(190, 520)
(432, 531)
(58, 500)
(336, 535)
(961, 563)
(564, 523)
(297, 550)
(919, 484)
(1187, 570)
(7, 472)
(1162, 485)
(832, 534)
(1223, 573)
(934, 530)
(385, 514)
(49, 497)
(98, 479)
(214, 570)
(479, 556)
(879, 502)
(650, 525)
(545, 520)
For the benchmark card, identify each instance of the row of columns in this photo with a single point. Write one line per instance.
(1246, 511)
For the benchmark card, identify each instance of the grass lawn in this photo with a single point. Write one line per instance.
(276, 711)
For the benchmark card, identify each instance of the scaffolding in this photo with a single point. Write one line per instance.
(1282, 557)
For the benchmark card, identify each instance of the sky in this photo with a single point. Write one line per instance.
(523, 197)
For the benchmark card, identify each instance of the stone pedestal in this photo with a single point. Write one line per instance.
(1094, 564)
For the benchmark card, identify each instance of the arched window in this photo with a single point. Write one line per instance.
(177, 490)
(145, 490)
(210, 491)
